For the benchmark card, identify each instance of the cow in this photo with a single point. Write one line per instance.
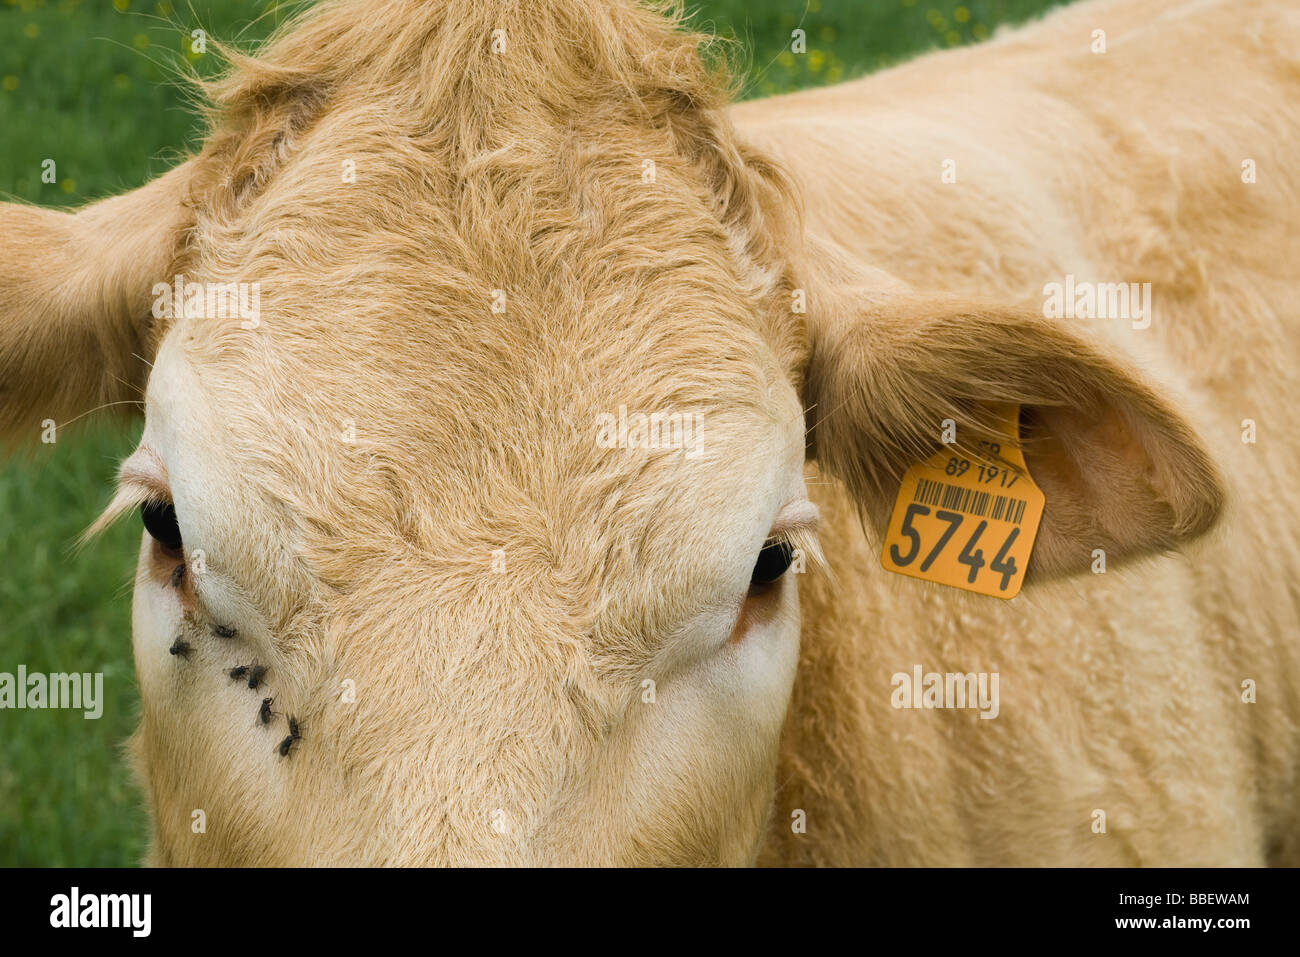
(433, 590)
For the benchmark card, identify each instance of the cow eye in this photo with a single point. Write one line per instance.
(772, 563)
(160, 522)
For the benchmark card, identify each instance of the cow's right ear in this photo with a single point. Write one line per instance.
(76, 327)
(1121, 468)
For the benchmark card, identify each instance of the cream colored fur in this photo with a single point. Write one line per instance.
(1121, 692)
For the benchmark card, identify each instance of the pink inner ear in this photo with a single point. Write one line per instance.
(1107, 485)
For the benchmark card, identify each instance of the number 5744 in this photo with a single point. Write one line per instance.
(970, 555)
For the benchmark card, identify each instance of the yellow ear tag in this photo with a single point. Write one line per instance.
(968, 521)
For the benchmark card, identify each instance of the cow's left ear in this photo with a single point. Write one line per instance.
(1120, 468)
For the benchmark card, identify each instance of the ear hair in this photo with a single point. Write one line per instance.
(895, 375)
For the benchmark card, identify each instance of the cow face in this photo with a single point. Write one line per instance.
(539, 641)
(472, 464)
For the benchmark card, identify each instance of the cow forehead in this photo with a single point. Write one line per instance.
(504, 311)
(542, 262)
(452, 394)
(583, 431)
(462, 271)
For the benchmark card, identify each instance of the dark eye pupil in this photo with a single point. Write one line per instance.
(160, 522)
(772, 563)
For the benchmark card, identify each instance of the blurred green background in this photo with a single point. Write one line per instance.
(92, 84)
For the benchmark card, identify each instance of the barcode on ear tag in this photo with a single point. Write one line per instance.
(968, 521)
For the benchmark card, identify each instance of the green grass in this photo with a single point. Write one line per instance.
(91, 85)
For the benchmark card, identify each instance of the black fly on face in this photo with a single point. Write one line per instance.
(238, 673)
(181, 647)
(265, 712)
(178, 575)
(224, 631)
(295, 734)
(256, 673)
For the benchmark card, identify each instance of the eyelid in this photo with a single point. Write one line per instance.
(144, 467)
(796, 525)
(795, 516)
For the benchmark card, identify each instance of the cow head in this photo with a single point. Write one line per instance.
(474, 414)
